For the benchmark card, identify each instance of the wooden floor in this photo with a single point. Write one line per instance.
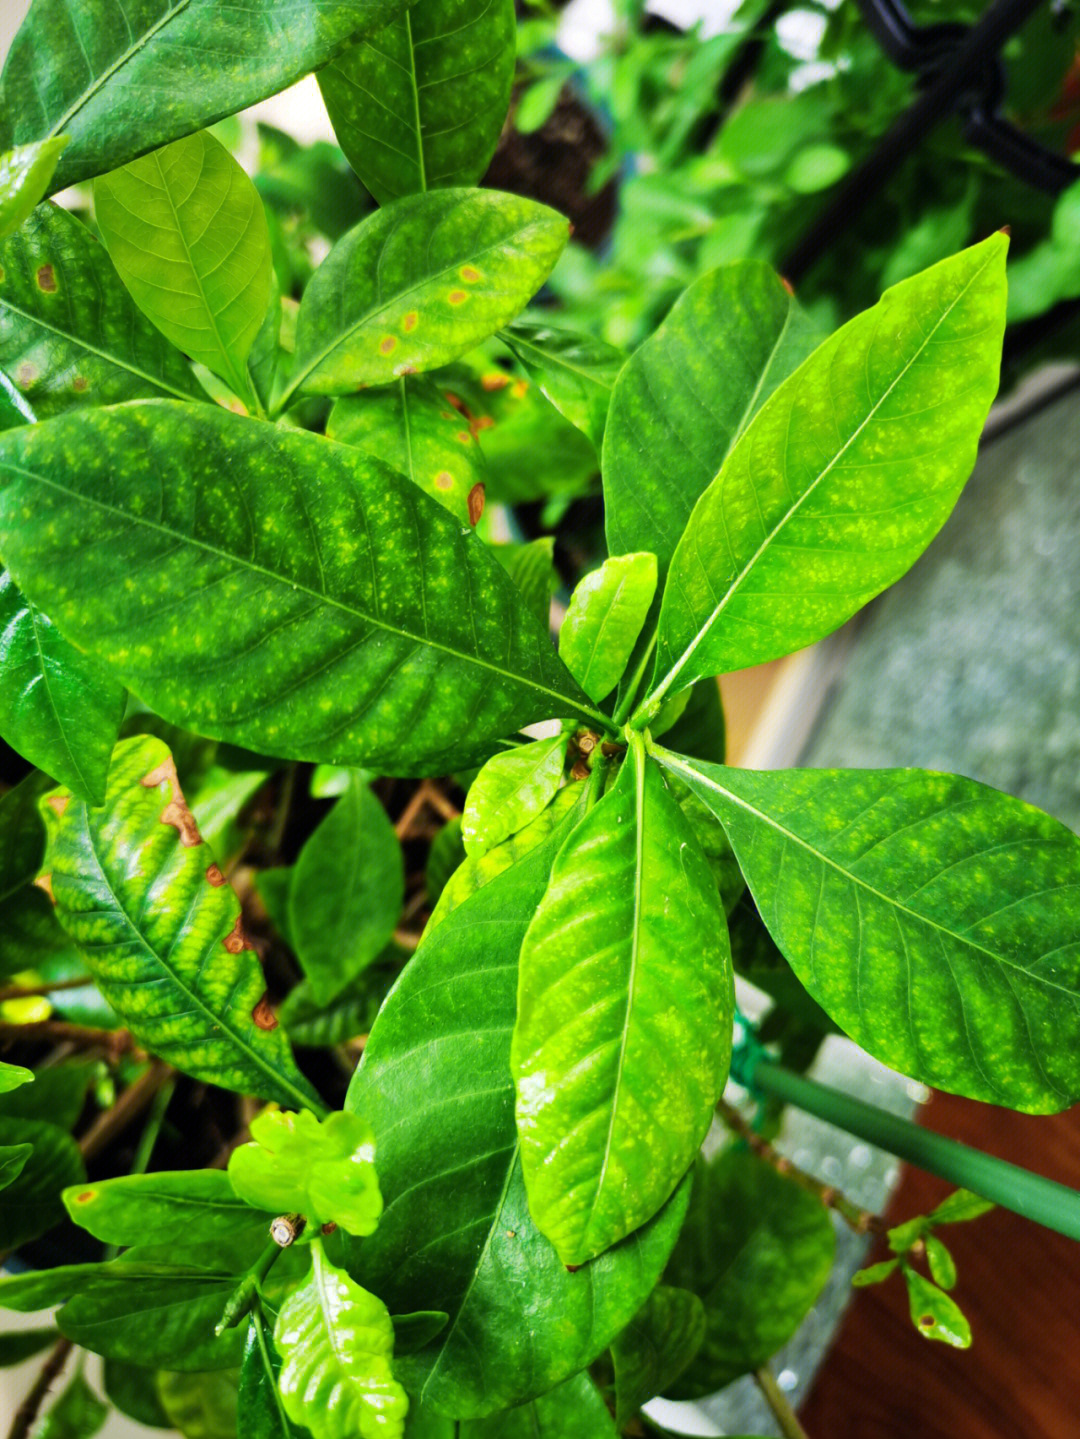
(1019, 1285)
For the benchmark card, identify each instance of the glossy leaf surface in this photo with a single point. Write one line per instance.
(345, 892)
(934, 1314)
(419, 283)
(576, 372)
(323, 641)
(420, 104)
(757, 1249)
(70, 334)
(57, 708)
(57, 1095)
(687, 394)
(456, 1233)
(187, 231)
(936, 920)
(604, 619)
(842, 478)
(260, 1410)
(655, 1348)
(160, 930)
(336, 1344)
(77, 1414)
(625, 1003)
(25, 173)
(29, 933)
(510, 791)
(574, 1409)
(122, 79)
(30, 1203)
(200, 1406)
(325, 1171)
(12, 1076)
(182, 1207)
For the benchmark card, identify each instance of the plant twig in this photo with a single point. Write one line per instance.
(129, 1106)
(861, 1220)
(115, 1041)
(32, 991)
(777, 1401)
(50, 1372)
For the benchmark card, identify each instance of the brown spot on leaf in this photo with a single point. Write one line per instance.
(328, 1228)
(3, 273)
(26, 374)
(215, 877)
(498, 381)
(444, 480)
(405, 370)
(44, 882)
(469, 273)
(463, 437)
(58, 803)
(263, 1015)
(80, 384)
(476, 504)
(927, 1321)
(483, 422)
(86, 1196)
(1006, 230)
(176, 812)
(455, 400)
(521, 389)
(388, 344)
(410, 322)
(572, 1268)
(458, 297)
(236, 940)
(788, 286)
(46, 279)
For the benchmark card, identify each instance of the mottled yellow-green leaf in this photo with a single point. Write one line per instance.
(603, 621)
(511, 790)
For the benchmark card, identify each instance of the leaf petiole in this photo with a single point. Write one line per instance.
(246, 1293)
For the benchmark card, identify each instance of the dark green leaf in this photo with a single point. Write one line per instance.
(757, 1248)
(416, 285)
(187, 231)
(186, 1207)
(141, 895)
(346, 892)
(413, 1331)
(532, 569)
(57, 708)
(842, 478)
(511, 790)
(22, 1344)
(42, 1288)
(70, 335)
(13, 1159)
(260, 1413)
(348, 1016)
(324, 641)
(446, 853)
(655, 1348)
(25, 173)
(421, 103)
(604, 619)
(934, 1314)
(30, 1204)
(942, 1265)
(625, 1003)
(575, 372)
(29, 933)
(700, 731)
(456, 1234)
(686, 396)
(200, 1406)
(572, 1410)
(77, 1414)
(756, 958)
(57, 1095)
(123, 79)
(134, 1392)
(936, 920)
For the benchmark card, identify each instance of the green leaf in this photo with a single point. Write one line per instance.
(22, 1344)
(532, 569)
(961, 1206)
(700, 730)
(42, 1288)
(413, 1331)
(133, 1390)
(410, 426)
(30, 1203)
(421, 103)
(446, 853)
(350, 1014)
(686, 396)
(416, 285)
(934, 1314)
(456, 1233)
(874, 1273)
(576, 372)
(123, 79)
(70, 335)
(186, 1207)
(25, 173)
(625, 1005)
(757, 1248)
(346, 892)
(604, 619)
(57, 708)
(324, 1171)
(655, 1348)
(842, 478)
(13, 1159)
(942, 1265)
(936, 920)
(200, 1406)
(574, 1409)
(58, 1094)
(187, 232)
(260, 1412)
(13, 1076)
(29, 934)
(77, 1414)
(336, 1344)
(510, 791)
(333, 634)
(160, 930)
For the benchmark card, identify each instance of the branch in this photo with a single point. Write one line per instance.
(20, 991)
(50, 1371)
(115, 1041)
(777, 1401)
(135, 1098)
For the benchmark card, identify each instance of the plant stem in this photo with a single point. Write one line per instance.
(116, 1041)
(147, 1140)
(129, 1106)
(1042, 1200)
(777, 1401)
(246, 1292)
(50, 1371)
(22, 991)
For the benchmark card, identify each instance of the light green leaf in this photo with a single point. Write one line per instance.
(187, 231)
(160, 930)
(625, 1004)
(323, 1171)
(456, 1233)
(336, 1343)
(13, 1159)
(655, 1348)
(757, 1248)
(182, 1207)
(346, 891)
(532, 569)
(934, 1314)
(510, 791)
(25, 173)
(942, 1265)
(874, 1273)
(42, 1288)
(575, 372)
(200, 1406)
(122, 79)
(70, 335)
(57, 708)
(30, 1202)
(415, 285)
(133, 1390)
(260, 1408)
(77, 1414)
(574, 1409)
(324, 641)
(842, 478)
(686, 396)
(604, 619)
(421, 104)
(410, 426)
(14, 1075)
(936, 920)
(961, 1206)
